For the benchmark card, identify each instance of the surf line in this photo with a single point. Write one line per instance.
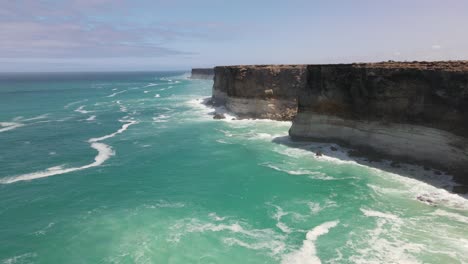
(104, 153)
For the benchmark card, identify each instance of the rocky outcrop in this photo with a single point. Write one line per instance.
(417, 111)
(414, 111)
(260, 91)
(202, 73)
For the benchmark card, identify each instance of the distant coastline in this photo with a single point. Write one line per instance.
(202, 73)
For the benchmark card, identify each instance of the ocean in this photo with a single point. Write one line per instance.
(132, 168)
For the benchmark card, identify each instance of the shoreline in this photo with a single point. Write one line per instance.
(361, 156)
(405, 111)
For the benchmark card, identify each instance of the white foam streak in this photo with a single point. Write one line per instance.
(237, 234)
(116, 93)
(277, 216)
(36, 118)
(81, 110)
(166, 204)
(74, 103)
(307, 254)
(5, 126)
(312, 174)
(160, 119)
(104, 153)
(91, 118)
(372, 213)
(276, 247)
(121, 130)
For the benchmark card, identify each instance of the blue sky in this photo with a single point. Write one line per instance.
(95, 35)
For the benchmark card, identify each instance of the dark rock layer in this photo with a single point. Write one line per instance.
(202, 73)
(428, 94)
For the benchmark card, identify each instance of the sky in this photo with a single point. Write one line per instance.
(136, 35)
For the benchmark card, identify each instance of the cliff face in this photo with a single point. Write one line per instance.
(416, 111)
(259, 91)
(202, 73)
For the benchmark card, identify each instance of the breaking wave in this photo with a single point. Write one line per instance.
(307, 254)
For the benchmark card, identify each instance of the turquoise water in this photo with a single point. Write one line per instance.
(131, 168)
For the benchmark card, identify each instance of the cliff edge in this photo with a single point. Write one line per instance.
(259, 91)
(202, 73)
(415, 111)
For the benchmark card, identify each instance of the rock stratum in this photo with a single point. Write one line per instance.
(202, 73)
(414, 111)
(261, 91)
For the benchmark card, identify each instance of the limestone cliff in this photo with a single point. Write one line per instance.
(261, 91)
(202, 73)
(417, 111)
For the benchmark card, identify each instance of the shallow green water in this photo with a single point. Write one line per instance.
(131, 168)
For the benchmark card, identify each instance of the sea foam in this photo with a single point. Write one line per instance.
(104, 153)
(307, 254)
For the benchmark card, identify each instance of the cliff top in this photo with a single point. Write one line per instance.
(420, 65)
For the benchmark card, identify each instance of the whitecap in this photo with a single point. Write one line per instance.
(6, 126)
(307, 254)
(122, 108)
(157, 96)
(215, 217)
(81, 110)
(74, 103)
(24, 258)
(116, 93)
(160, 119)
(36, 117)
(166, 204)
(91, 118)
(221, 141)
